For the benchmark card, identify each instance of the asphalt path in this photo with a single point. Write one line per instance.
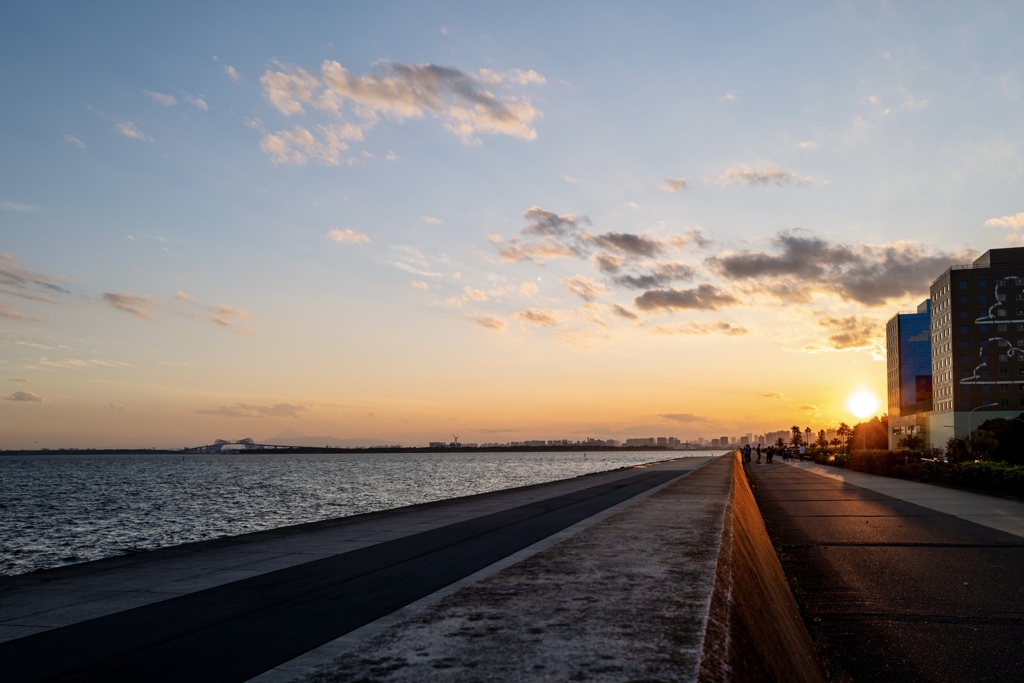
(239, 630)
(890, 590)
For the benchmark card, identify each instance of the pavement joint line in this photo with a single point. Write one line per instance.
(308, 662)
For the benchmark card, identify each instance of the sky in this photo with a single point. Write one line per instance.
(505, 221)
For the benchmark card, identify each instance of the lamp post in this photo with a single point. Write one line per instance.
(971, 414)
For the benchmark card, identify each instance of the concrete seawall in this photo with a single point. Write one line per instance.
(662, 572)
(754, 630)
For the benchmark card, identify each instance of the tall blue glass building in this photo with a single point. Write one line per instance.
(909, 371)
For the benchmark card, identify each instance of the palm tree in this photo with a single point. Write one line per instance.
(845, 433)
(797, 439)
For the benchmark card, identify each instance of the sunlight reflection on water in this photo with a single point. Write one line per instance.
(59, 509)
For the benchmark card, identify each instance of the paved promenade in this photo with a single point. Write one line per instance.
(276, 604)
(900, 581)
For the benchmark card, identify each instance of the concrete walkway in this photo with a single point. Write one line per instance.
(79, 610)
(899, 581)
(994, 512)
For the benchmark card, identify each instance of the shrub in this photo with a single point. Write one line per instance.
(990, 477)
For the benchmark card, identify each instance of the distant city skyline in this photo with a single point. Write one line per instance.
(553, 220)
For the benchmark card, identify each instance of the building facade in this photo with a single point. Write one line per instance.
(908, 343)
(977, 344)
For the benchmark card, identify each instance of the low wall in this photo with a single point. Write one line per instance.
(754, 630)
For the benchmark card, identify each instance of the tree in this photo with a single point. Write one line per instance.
(913, 442)
(808, 436)
(845, 433)
(779, 443)
(822, 441)
(836, 442)
(797, 439)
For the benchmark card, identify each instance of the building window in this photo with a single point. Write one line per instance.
(1005, 402)
(1004, 388)
(1002, 359)
(982, 283)
(963, 315)
(964, 329)
(963, 298)
(1001, 312)
(1001, 328)
(1003, 372)
(964, 344)
(985, 374)
(983, 329)
(985, 358)
(967, 405)
(983, 298)
(963, 284)
(986, 389)
(983, 313)
(967, 359)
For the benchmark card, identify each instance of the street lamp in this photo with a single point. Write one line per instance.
(971, 414)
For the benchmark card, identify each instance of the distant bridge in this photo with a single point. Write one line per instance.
(221, 446)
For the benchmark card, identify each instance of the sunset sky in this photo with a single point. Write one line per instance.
(508, 221)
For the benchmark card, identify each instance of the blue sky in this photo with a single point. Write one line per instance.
(540, 220)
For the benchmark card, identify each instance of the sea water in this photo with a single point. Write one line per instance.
(64, 508)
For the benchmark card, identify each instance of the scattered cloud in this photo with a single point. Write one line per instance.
(683, 417)
(697, 328)
(182, 296)
(135, 304)
(729, 96)
(772, 394)
(744, 175)
(232, 73)
(491, 322)
(1014, 223)
(17, 207)
(808, 408)
(807, 144)
(803, 265)
(704, 297)
(420, 285)
(299, 146)
(659, 275)
(25, 397)
(674, 184)
(161, 98)
(118, 407)
(129, 130)
(248, 410)
(515, 251)
(528, 289)
(430, 220)
(467, 104)
(624, 312)
(347, 236)
(583, 287)
(72, 140)
(197, 102)
(538, 317)
(850, 332)
(474, 294)
(228, 316)
(19, 281)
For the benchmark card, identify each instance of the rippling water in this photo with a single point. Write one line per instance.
(59, 509)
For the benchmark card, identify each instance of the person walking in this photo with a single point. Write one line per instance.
(759, 452)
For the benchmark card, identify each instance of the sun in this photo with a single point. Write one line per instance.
(862, 404)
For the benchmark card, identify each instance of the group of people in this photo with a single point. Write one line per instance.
(770, 453)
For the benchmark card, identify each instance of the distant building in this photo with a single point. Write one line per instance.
(908, 347)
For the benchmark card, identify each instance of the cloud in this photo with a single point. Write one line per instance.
(232, 73)
(808, 408)
(744, 175)
(490, 322)
(248, 410)
(182, 296)
(129, 130)
(624, 312)
(537, 317)
(18, 281)
(227, 316)
(347, 236)
(528, 289)
(118, 407)
(468, 105)
(420, 285)
(197, 102)
(17, 207)
(851, 332)
(583, 287)
(683, 417)
(704, 297)
(697, 328)
(548, 223)
(161, 98)
(807, 144)
(474, 294)
(72, 140)
(299, 146)
(515, 252)
(21, 379)
(430, 220)
(1012, 222)
(628, 243)
(135, 304)
(25, 397)
(802, 266)
(772, 394)
(674, 184)
(660, 275)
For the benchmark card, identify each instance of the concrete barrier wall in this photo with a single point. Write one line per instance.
(754, 631)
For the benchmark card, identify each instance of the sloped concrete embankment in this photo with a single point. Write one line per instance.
(754, 630)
